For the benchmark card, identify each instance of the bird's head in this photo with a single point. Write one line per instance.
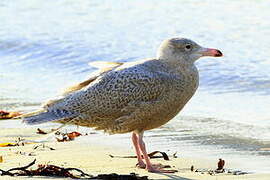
(184, 50)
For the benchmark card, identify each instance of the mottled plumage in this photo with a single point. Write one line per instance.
(133, 96)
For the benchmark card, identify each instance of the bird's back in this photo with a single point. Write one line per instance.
(134, 96)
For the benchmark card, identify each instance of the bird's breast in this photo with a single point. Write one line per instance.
(187, 84)
(179, 92)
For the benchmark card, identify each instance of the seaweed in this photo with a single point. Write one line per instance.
(8, 115)
(151, 155)
(56, 171)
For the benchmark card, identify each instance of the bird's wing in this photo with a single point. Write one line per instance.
(103, 102)
(105, 66)
(79, 86)
(43, 115)
(102, 67)
(121, 104)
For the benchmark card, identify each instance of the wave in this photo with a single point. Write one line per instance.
(219, 133)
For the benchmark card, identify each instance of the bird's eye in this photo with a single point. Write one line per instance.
(188, 47)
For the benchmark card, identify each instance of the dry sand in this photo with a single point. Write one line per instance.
(93, 158)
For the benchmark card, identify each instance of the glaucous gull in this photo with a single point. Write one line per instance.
(133, 96)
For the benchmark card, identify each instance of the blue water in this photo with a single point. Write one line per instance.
(47, 45)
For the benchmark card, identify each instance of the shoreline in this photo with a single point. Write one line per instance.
(91, 154)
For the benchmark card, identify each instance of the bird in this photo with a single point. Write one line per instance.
(131, 97)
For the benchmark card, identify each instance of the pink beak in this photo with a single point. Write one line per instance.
(211, 52)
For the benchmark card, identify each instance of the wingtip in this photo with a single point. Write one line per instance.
(104, 64)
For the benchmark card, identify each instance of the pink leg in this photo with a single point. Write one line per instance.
(149, 166)
(140, 163)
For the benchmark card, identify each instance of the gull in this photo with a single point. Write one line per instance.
(133, 96)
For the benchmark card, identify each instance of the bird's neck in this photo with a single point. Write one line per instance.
(179, 66)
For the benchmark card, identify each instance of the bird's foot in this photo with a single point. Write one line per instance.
(155, 168)
(159, 168)
(141, 165)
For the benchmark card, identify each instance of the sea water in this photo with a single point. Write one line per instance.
(46, 46)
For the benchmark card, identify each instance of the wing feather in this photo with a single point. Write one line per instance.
(102, 67)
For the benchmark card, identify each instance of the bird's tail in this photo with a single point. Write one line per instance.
(42, 116)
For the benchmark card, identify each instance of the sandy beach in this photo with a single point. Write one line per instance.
(91, 154)
(47, 46)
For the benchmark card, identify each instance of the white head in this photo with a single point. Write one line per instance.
(183, 50)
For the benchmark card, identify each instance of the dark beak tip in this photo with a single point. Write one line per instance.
(218, 54)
